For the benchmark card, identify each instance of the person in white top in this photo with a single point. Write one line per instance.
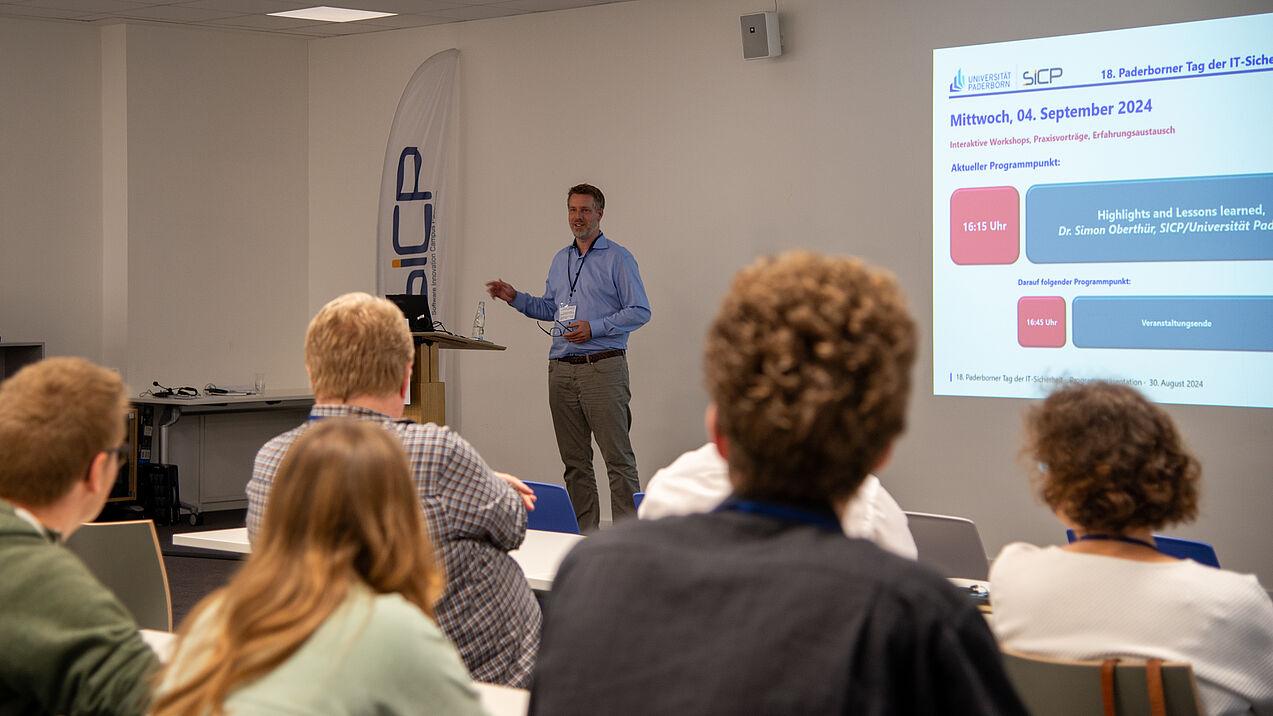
(1112, 467)
(698, 481)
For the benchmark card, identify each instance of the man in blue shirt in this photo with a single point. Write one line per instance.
(595, 298)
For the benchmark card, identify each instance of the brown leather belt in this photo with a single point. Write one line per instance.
(592, 357)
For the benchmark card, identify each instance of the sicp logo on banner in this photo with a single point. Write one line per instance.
(412, 234)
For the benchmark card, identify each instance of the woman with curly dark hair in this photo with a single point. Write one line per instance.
(1112, 467)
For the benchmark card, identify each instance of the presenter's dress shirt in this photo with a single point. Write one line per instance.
(608, 294)
(474, 520)
(590, 401)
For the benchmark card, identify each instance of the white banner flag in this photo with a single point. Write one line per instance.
(412, 232)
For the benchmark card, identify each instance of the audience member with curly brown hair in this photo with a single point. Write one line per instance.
(807, 351)
(1114, 460)
(763, 606)
(1112, 466)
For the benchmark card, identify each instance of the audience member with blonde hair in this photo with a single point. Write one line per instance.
(333, 612)
(358, 352)
(1112, 467)
(67, 645)
(764, 606)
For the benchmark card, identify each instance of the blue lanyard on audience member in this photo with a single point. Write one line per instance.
(399, 421)
(819, 517)
(1117, 538)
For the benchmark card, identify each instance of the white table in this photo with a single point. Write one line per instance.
(231, 540)
(503, 700)
(162, 642)
(216, 443)
(539, 556)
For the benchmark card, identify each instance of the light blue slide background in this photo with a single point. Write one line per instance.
(1209, 122)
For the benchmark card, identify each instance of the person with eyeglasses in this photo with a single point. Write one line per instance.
(595, 298)
(70, 646)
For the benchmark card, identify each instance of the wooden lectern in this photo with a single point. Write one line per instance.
(428, 401)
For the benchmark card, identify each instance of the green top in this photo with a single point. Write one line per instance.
(376, 654)
(67, 646)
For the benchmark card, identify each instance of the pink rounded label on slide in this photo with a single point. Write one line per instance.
(985, 225)
(1041, 321)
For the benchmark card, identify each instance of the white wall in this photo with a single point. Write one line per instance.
(50, 190)
(707, 161)
(217, 207)
(153, 199)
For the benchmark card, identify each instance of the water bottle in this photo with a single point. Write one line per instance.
(479, 322)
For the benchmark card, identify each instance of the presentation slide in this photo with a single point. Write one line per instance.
(1103, 209)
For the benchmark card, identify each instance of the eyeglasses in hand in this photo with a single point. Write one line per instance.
(556, 331)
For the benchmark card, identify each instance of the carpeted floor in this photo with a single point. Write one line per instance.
(190, 579)
(195, 573)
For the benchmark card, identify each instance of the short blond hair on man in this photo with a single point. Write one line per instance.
(55, 417)
(357, 345)
(809, 361)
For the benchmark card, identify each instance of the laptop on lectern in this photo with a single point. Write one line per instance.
(416, 308)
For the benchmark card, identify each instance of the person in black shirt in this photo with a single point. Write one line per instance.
(764, 606)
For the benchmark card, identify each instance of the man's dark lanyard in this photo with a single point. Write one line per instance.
(824, 518)
(582, 258)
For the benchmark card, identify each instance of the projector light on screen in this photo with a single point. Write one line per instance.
(1103, 208)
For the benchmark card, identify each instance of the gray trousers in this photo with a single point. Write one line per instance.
(591, 400)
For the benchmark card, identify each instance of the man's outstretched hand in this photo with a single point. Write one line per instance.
(501, 290)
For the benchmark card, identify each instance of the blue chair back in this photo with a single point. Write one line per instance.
(1200, 552)
(636, 499)
(553, 511)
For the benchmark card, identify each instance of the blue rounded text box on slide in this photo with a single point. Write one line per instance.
(1223, 218)
(1217, 323)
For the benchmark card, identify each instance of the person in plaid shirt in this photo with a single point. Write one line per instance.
(358, 352)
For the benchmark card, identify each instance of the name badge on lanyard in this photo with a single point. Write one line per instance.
(566, 309)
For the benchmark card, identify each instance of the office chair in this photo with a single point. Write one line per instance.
(1179, 547)
(125, 557)
(553, 511)
(951, 545)
(1061, 687)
